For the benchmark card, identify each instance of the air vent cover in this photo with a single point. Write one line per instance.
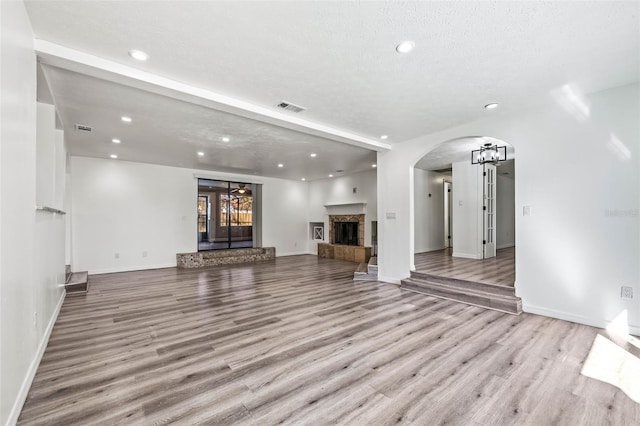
(84, 128)
(290, 107)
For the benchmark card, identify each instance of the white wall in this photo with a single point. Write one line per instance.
(339, 190)
(582, 241)
(31, 243)
(429, 211)
(467, 214)
(505, 210)
(133, 208)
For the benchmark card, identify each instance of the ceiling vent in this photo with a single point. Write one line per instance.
(290, 107)
(83, 128)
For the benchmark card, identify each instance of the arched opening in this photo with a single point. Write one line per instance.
(464, 213)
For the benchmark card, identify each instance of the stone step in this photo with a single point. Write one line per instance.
(78, 283)
(471, 296)
(465, 284)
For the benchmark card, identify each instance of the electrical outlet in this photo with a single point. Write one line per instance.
(626, 292)
(116, 255)
(144, 254)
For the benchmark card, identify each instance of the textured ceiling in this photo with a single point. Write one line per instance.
(338, 58)
(171, 132)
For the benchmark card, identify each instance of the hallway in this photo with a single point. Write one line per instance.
(499, 270)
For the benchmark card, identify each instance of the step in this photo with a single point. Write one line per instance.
(365, 277)
(361, 269)
(372, 266)
(475, 297)
(465, 284)
(78, 283)
(67, 273)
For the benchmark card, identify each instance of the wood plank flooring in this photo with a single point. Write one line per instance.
(296, 341)
(497, 270)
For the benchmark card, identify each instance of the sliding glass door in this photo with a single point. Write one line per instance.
(230, 218)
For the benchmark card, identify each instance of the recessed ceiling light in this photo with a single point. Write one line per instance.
(330, 175)
(313, 154)
(405, 47)
(225, 139)
(491, 106)
(115, 140)
(138, 55)
(383, 137)
(280, 165)
(200, 154)
(126, 119)
(113, 156)
(374, 165)
(303, 179)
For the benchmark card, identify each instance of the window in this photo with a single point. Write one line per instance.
(235, 210)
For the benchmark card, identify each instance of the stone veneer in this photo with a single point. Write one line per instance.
(347, 218)
(224, 257)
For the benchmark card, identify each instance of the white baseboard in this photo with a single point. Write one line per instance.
(130, 268)
(466, 255)
(593, 322)
(427, 249)
(293, 253)
(501, 246)
(33, 367)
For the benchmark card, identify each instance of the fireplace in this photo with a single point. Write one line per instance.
(346, 229)
(345, 233)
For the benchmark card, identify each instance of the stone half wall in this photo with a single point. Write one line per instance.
(347, 218)
(224, 257)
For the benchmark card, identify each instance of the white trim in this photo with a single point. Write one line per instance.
(131, 268)
(466, 255)
(292, 253)
(501, 246)
(213, 175)
(35, 363)
(428, 249)
(95, 66)
(599, 323)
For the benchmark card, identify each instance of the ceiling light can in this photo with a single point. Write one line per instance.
(138, 55)
(405, 47)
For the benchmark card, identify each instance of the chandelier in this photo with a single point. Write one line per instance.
(489, 154)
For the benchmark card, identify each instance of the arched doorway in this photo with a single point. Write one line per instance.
(464, 217)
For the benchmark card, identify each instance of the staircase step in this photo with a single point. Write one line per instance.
(78, 283)
(365, 277)
(465, 284)
(361, 269)
(470, 296)
(67, 273)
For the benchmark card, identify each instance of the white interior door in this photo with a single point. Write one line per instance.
(489, 208)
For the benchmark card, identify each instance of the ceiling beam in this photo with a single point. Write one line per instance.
(84, 63)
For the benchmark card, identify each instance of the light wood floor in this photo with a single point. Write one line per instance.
(496, 270)
(296, 341)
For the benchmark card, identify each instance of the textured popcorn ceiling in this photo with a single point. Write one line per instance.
(170, 132)
(338, 58)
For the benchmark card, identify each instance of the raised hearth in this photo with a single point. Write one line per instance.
(224, 257)
(358, 254)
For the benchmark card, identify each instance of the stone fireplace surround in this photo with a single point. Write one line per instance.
(347, 218)
(351, 212)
